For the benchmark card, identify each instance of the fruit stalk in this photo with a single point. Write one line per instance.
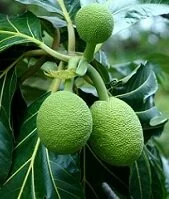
(98, 83)
(68, 86)
(89, 51)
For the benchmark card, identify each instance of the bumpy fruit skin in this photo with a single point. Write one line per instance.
(117, 136)
(64, 122)
(94, 23)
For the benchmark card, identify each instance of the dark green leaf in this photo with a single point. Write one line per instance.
(6, 146)
(37, 85)
(152, 119)
(19, 29)
(38, 173)
(158, 177)
(98, 175)
(7, 89)
(140, 178)
(137, 87)
(150, 184)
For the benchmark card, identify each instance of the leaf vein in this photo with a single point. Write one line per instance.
(30, 168)
(61, 168)
(27, 21)
(12, 24)
(20, 168)
(7, 38)
(51, 174)
(2, 90)
(139, 180)
(25, 139)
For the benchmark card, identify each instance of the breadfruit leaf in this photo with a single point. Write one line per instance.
(94, 184)
(36, 172)
(137, 87)
(147, 176)
(18, 30)
(51, 10)
(50, 6)
(140, 178)
(158, 175)
(6, 146)
(7, 89)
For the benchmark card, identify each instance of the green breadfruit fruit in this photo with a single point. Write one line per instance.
(64, 122)
(94, 23)
(117, 136)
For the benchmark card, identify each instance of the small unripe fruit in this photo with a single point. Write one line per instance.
(117, 136)
(64, 122)
(94, 23)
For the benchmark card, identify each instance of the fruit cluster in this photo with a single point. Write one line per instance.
(65, 123)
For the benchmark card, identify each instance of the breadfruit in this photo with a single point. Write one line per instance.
(64, 122)
(94, 23)
(117, 136)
